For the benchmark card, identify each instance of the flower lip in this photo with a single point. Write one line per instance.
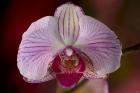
(68, 80)
(68, 69)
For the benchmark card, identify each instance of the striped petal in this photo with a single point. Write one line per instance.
(100, 44)
(68, 21)
(39, 45)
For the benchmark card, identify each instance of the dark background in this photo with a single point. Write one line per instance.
(123, 16)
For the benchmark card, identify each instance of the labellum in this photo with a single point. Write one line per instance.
(69, 67)
(68, 46)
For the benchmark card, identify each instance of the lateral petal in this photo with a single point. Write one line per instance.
(100, 44)
(39, 45)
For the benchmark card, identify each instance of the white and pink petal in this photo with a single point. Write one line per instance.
(38, 47)
(100, 44)
(68, 22)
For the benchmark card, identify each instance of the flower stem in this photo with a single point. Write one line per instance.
(131, 48)
(125, 50)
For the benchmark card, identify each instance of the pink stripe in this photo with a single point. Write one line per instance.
(73, 25)
(63, 23)
(78, 26)
(69, 24)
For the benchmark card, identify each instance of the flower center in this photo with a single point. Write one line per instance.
(70, 63)
(70, 59)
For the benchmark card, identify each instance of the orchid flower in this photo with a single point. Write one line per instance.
(68, 46)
